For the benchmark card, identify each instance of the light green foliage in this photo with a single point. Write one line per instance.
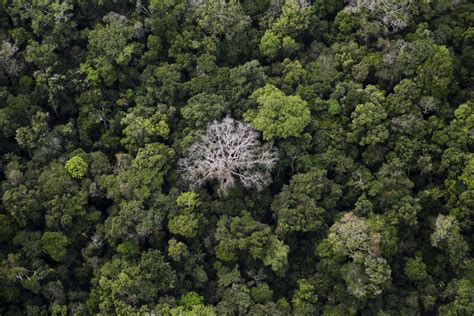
(177, 249)
(186, 221)
(293, 73)
(334, 107)
(292, 22)
(367, 127)
(278, 115)
(304, 298)
(461, 126)
(461, 293)
(47, 16)
(144, 125)
(415, 269)
(22, 204)
(54, 245)
(32, 136)
(467, 176)
(154, 156)
(262, 293)
(289, 45)
(245, 233)
(196, 310)
(41, 54)
(128, 249)
(91, 73)
(77, 167)
(270, 45)
(185, 225)
(275, 256)
(232, 19)
(191, 299)
(188, 200)
(59, 310)
(434, 75)
(124, 285)
(112, 45)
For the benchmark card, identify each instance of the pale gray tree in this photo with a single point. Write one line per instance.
(393, 15)
(229, 151)
(445, 226)
(7, 59)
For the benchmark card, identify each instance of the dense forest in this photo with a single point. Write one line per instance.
(225, 157)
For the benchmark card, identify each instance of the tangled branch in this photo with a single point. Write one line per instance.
(228, 151)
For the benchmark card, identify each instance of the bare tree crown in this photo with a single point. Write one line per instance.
(7, 58)
(228, 151)
(392, 14)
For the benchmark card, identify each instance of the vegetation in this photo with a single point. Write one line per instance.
(236, 157)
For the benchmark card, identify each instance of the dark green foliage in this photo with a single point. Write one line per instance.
(367, 210)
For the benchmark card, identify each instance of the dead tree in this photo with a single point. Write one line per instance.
(229, 151)
(393, 15)
(7, 59)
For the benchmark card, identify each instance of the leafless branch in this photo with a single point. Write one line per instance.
(229, 151)
(393, 15)
(7, 59)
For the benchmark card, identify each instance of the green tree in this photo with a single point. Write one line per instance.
(244, 233)
(367, 126)
(270, 45)
(22, 203)
(292, 22)
(54, 245)
(123, 286)
(191, 299)
(232, 19)
(77, 167)
(415, 269)
(461, 294)
(133, 220)
(144, 125)
(304, 298)
(113, 46)
(262, 293)
(185, 225)
(363, 241)
(434, 75)
(177, 250)
(448, 238)
(302, 205)
(33, 136)
(203, 108)
(278, 115)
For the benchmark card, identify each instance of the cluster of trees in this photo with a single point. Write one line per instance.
(236, 157)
